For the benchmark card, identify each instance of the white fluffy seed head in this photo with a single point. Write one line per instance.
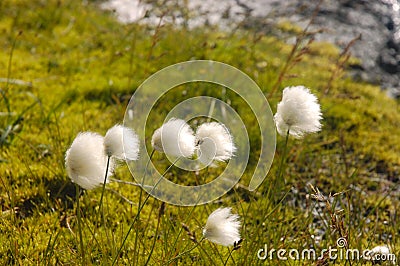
(299, 112)
(222, 227)
(174, 138)
(214, 143)
(380, 253)
(122, 143)
(86, 161)
(380, 250)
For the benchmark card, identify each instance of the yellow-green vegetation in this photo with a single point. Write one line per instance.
(67, 67)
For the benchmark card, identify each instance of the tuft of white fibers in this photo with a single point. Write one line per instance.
(86, 161)
(214, 143)
(174, 138)
(299, 112)
(222, 227)
(379, 253)
(122, 143)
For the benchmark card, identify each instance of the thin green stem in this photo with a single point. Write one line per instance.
(181, 229)
(211, 110)
(101, 206)
(10, 59)
(129, 183)
(230, 255)
(277, 205)
(140, 209)
(209, 257)
(135, 250)
(104, 185)
(280, 171)
(78, 213)
(4, 93)
(121, 196)
(349, 224)
(185, 252)
(281, 165)
(154, 241)
(50, 248)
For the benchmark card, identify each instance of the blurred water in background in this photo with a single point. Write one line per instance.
(378, 22)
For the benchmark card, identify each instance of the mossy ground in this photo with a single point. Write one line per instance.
(73, 68)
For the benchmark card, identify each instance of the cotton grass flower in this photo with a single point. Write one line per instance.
(174, 138)
(86, 161)
(122, 143)
(222, 227)
(299, 112)
(214, 143)
(380, 253)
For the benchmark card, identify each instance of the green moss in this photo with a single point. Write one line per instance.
(288, 27)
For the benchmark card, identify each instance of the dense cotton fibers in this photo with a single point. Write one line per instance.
(86, 161)
(122, 143)
(222, 227)
(174, 138)
(299, 112)
(214, 143)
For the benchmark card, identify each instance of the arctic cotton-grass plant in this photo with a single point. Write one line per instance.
(88, 166)
(120, 143)
(298, 113)
(174, 138)
(214, 142)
